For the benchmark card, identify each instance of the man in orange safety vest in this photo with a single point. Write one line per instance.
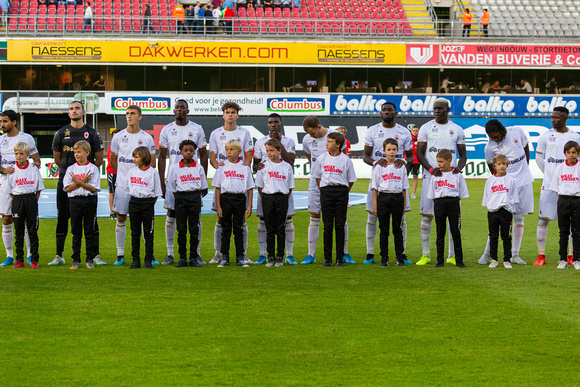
(485, 21)
(466, 22)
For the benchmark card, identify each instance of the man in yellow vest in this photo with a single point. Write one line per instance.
(485, 21)
(466, 22)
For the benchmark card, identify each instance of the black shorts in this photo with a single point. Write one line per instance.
(414, 168)
(111, 181)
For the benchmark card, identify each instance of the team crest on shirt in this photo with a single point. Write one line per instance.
(86, 135)
(516, 141)
(552, 138)
(222, 137)
(125, 139)
(140, 142)
(435, 130)
(433, 149)
(451, 132)
(67, 132)
(173, 132)
(500, 146)
(397, 138)
(381, 134)
(190, 135)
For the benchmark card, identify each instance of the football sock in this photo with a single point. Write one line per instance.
(262, 237)
(169, 234)
(426, 233)
(404, 230)
(346, 238)
(313, 235)
(371, 233)
(199, 240)
(245, 232)
(541, 233)
(451, 244)
(217, 238)
(121, 234)
(518, 233)
(289, 237)
(7, 238)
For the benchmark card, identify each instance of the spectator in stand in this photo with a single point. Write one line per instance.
(241, 3)
(296, 4)
(217, 13)
(41, 2)
(71, 2)
(341, 87)
(196, 17)
(227, 3)
(215, 4)
(190, 19)
(201, 19)
(485, 22)
(343, 130)
(526, 86)
(496, 87)
(267, 3)
(88, 16)
(277, 3)
(179, 16)
(228, 16)
(286, 3)
(100, 83)
(250, 3)
(52, 2)
(466, 16)
(551, 86)
(209, 19)
(5, 5)
(79, 2)
(445, 85)
(147, 19)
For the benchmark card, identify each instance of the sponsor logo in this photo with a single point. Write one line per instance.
(147, 104)
(494, 104)
(391, 176)
(186, 178)
(421, 54)
(444, 183)
(276, 175)
(234, 175)
(138, 180)
(568, 178)
(60, 50)
(548, 105)
(332, 169)
(24, 181)
(295, 104)
(499, 188)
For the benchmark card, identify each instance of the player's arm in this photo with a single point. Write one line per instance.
(213, 160)
(491, 168)
(462, 150)
(287, 156)
(153, 160)
(375, 203)
(162, 161)
(250, 198)
(99, 158)
(36, 159)
(257, 165)
(421, 149)
(368, 155)
(318, 183)
(217, 192)
(527, 150)
(203, 158)
(114, 161)
(248, 157)
(57, 157)
(350, 186)
(540, 160)
(309, 157)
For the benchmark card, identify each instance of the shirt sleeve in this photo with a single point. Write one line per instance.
(408, 142)
(249, 179)
(217, 178)
(488, 152)
(422, 135)
(57, 142)
(260, 178)
(431, 190)
(213, 145)
(39, 182)
(157, 180)
(463, 192)
(203, 178)
(306, 147)
(375, 176)
(171, 179)
(291, 184)
(66, 181)
(368, 138)
(514, 191)
(95, 180)
(96, 142)
(258, 150)
(32, 144)
(541, 145)
(115, 147)
(405, 178)
(291, 148)
(485, 190)
(460, 136)
(316, 172)
(201, 142)
(351, 175)
(555, 180)
(151, 145)
(248, 142)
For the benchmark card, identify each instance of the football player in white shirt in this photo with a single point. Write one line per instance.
(500, 197)
(566, 182)
(122, 147)
(435, 135)
(169, 140)
(314, 145)
(10, 137)
(550, 154)
(374, 154)
(513, 143)
(288, 154)
(217, 157)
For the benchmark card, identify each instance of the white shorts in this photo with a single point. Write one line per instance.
(548, 204)
(291, 210)
(314, 201)
(427, 207)
(121, 201)
(526, 200)
(369, 206)
(5, 203)
(169, 200)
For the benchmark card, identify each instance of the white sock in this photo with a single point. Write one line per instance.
(199, 240)
(518, 232)
(570, 248)
(289, 237)
(169, 234)
(346, 238)
(426, 233)
(7, 238)
(541, 233)
(262, 238)
(245, 231)
(404, 229)
(487, 246)
(121, 234)
(27, 242)
(371, 233)
(217, 238)
(313, 233)
(451, 244)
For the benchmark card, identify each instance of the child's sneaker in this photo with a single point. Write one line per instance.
(327, 263)
(451, 260)
(384, 263)
(217, 258)
(154, 262)
(181, 263)
(75, 266)
(90, 265)
(19, 265)
(242, 262)
(570, 259)
(225, 261)
(400, 262)
(563, 264)
(194, 262)
(507, 265)
(200, 261)
(494, 264)
(576, 265)
(98, 260)
(518, 260)
(270, 262)
(541, 261)
(34, 265)
(423, 261)
(169, 260)
(58, 260)
(340, 263)
(135, 265)
(279, 262)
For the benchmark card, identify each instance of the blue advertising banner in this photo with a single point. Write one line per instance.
(467, 105)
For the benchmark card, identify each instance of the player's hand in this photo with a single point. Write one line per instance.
(456, 171)
(259, 166)
(9, 171)
(437, 172)
(400, 163)
(203, 192)
(383, 162)
(74, 178)
(247, 162)
(221, 164)
(276, 135)
(162, 189)
(375, 212)
(87, 177)
(219, 212)
(37, 164)
(249, 211)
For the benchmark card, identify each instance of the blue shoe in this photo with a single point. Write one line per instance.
(7, 262)
(369, 259)
(154, 262)
(29, 259)
(290, 260)
(348, 259)
(308, 260)
(261, 260)
(120, 261)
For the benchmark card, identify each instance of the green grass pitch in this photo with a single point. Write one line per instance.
(299, 325)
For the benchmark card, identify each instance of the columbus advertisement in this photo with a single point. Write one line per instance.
(204, 52)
